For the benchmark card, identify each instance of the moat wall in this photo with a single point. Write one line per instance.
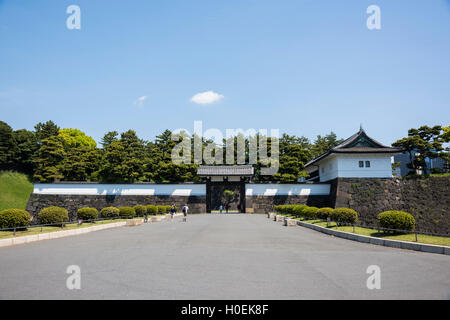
(264, 204)
(427, 199)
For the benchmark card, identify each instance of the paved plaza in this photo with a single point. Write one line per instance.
(234, 256)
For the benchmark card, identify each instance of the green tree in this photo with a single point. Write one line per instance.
(124, 159)
(8, 146)
(324, 144)
(294, 154)
(80, 163)
(45, 130)
(426, 142)
(49, 160)
(26, 148)
(108, 138)
(228, 196)
(73, 138)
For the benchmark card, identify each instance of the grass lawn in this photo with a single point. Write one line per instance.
(31, 231)
(444, 241)
(15, 189)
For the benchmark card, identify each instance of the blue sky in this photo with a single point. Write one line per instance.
(304, 67)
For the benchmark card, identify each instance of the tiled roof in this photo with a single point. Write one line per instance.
(246, 170)
(360, 142)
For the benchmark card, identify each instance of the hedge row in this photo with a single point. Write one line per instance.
(17, 218)
(341, 215)
(397, 220)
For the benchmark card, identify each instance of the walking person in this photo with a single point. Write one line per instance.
(185, 212)
(172, 210)
(227, 206)
(220, 208)
(146, 216)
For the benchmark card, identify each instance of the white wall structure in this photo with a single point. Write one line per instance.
(287, 189)
(348, 166)
(121, 189)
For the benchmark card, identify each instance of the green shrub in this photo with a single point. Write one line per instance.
(299, 210)
(140, 210)
(161, 209)
(151, 209)
(289, 209)
(278, 208)
(397, 220)
(310, 212)
(53, 215)
(324, 213)
(344, 215)
(14, 218)
(127, 212)
(87, 214)
(109, 212)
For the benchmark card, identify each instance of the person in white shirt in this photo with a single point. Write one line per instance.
(185, 212)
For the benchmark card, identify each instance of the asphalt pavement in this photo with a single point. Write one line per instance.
(218, 256)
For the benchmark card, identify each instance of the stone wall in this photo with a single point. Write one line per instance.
(428, 199)
(264, 204)
(72, 203)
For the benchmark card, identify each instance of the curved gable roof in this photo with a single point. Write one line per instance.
(360, 142)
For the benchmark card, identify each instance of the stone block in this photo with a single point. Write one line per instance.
(290, 222)
(156, 219)
(134, 222)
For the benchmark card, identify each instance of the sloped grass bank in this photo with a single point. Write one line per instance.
(15, 189)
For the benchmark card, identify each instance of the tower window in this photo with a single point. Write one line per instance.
(367, 164)
(361, 164)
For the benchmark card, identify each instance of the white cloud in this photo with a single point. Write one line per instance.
(140, 101)
(206, 97)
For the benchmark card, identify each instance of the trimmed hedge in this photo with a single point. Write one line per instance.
(324, 213)
(14, 218)
(344, 215)
(53, 215)
(399, 220)
(310, 212)
(127, 212)
(151, 209)
(163, 209)
(140, 210)
(340, 215)
(109, 212)
(87, 214)
(299, 210)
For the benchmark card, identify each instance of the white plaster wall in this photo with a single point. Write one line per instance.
(347, 166)
(121, 189)
(286, 189)
(380, 166)
(328, 168)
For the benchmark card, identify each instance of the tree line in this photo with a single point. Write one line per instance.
(49, 154)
